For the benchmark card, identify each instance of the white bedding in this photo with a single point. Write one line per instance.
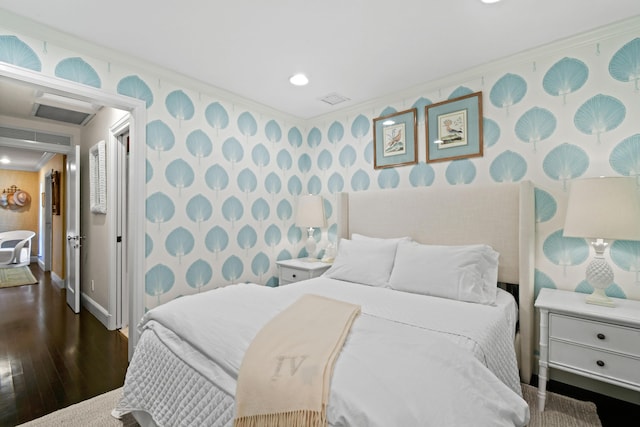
(404, 361)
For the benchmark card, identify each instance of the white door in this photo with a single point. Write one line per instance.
(74, 238)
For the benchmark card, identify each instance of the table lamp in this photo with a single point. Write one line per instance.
(605, 208)
(310, 215)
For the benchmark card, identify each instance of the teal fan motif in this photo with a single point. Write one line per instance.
(422, 175)
(508, 91)
(295, 137)
(546, 206)
(260, 265)
(272, 131)
(564, 77)
(304, 163)
(325, 160)
(294, 186)
(508, 167)
(159, 208)
(388, 178)
(419, 106)
(148, 171)
(626, 255)
(158, 281)
(272, 236)
(387, 111)
(284, 210)
(460, 172)
(179, 174)
(232, 150)
(179, 242)
(77, 70)
(360, 181)
(360, 127)
(314, 186)
(232, 269)
(336, 183)
(247, 125)
(565, 251)
(599, 114)
(273, 184)
(613, 290)
(625, 157)
(232, 210)
(294, 235)
(625, 63)
(260, 210)
(541, 281)
(335, 132)
(199, 274)
(247, 181)
(284, 160)
(535, 125)
(159, 136)
(490, 132)
(368, 152)
(216, 178)
(347, 157)
(217, 116)
(565, 162)
(148, 245)
(179, 105)
(460, 91)
(216, 240)
(16, 52)
(135, 87)
(199, 209)
(247, 238)
(199, 144)
(314, 138)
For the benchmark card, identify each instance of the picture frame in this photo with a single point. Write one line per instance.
(454, 128)
(395, 139)
(97, 179)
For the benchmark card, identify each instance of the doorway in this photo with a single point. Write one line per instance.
(135, 173)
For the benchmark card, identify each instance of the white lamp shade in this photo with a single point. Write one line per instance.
(603, 208)
(310, 212)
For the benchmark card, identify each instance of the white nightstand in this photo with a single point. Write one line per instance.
(294, 270)
(602, 343)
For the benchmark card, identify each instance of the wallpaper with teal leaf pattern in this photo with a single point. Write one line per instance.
(222, 179)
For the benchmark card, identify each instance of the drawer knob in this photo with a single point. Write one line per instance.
(294, 275)
(600, 363)
(600, 336)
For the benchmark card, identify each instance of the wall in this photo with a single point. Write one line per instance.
(94, 265)
(58, 222)
(25, 217)
(223, 173)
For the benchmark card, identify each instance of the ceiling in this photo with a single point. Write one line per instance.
(359, 49)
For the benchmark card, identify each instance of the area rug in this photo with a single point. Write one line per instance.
(16, 276)
(560, 411)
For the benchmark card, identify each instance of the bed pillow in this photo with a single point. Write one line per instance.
(363, 261)
(356, 236)
(464, 273)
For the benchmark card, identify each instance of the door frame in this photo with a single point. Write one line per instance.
(136, 196)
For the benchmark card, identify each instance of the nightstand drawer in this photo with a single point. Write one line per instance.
(602, 363)
(290, 275)
(595, 334)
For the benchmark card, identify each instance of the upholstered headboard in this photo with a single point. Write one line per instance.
(500, 215)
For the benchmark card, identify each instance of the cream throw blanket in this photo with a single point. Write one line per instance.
(286, 372)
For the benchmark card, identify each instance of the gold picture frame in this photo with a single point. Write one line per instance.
(395, 139)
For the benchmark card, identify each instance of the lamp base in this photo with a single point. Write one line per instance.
(598, 297)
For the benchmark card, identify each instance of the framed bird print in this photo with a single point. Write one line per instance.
(454, 128)
(395, 140)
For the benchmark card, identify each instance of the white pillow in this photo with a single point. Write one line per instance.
(363, 261)
(356, 236)
(464, 273)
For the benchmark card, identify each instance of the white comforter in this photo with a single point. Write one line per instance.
(409, 360)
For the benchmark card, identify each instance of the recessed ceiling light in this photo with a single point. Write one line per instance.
(298, 79)
(489, 1)
(5, 160)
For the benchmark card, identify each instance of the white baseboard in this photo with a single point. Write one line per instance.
(98, 311)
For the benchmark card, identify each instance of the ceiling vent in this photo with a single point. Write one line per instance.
(334, 98)
(63, 109)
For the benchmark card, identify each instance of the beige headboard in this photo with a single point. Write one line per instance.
(500, 215)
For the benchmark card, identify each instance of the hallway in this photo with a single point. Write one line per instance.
(50, 357)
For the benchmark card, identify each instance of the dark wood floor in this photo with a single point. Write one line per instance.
(50, 357)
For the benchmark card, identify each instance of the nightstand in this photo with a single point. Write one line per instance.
(294, 270)
(602, 343)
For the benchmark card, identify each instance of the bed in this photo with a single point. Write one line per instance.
(409, 359)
